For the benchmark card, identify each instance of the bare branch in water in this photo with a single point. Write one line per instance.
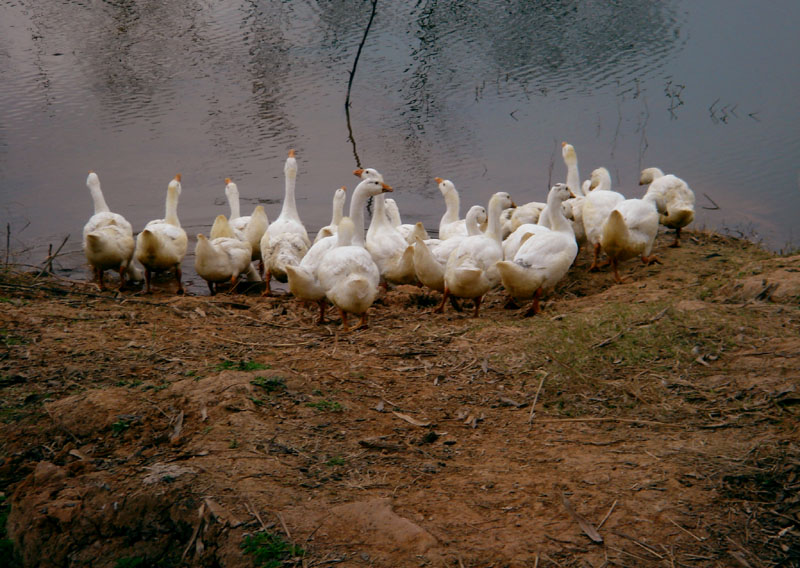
(350, 81)
(712, 202)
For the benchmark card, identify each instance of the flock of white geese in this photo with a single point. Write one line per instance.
(528, 249)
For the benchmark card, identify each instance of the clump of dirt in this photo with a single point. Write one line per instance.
(648, 423)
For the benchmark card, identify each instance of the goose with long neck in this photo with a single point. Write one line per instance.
(471, 269)
(223, 256)
(162, 244)
(573, 207)
(390, 250)
(544, 258)
(630, 230)
(430, 256)
(285, 241)
(107, 238)
(339, 197)
(349, 275)
(450, 225)
(303, 282)
(597, 206)
(674, 198)
(249, 228)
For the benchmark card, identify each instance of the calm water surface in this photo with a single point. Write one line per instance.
(482, 93)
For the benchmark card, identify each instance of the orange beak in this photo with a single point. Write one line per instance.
(386, 187)
(227, 181)
(291, 153)
(358, 172)
(563, 144)
(177, 177)
(438, 180)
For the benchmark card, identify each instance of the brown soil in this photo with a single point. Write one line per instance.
(161, 431)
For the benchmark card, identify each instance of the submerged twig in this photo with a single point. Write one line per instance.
(712, 202)
(350, 81)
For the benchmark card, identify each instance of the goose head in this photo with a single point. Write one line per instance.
(373, 187)
(559, 193)
(648, 175)
(445, 186)
(175, 185)
(290, 167)
(568, 153)
(231, 190)
(601, 179)
(92, 181)
(368, 173)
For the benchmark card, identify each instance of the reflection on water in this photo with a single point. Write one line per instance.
(480, 92)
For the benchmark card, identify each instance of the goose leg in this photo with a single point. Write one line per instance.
(98, 276)
(455, 304)
(267, 289)
(362, 323)
(594, 266)
(345, 327)
(178, 274)
(617, 277)
(534, 308)
(677, 242)
(147, 276)
(122, 270)
(477, 305)
(445, 295)
(652, 259)
(321, 304)
(211, 288)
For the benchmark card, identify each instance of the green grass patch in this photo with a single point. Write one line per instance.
(269, 550)
(269, 384)
(131, 562)
(326, 406)
(334, 461)
(241, 366)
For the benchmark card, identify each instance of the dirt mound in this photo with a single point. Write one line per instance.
(647, 423)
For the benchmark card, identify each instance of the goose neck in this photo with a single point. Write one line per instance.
(171, 215)
(99, 201)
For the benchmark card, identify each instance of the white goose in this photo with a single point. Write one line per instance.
(108, 239)
(471, 269)
(303, 282)
(430, 256)
(223, 257)
(597, 206)
(450, 225)
(162, 244)
(573, 207)
(674, 199)
(349, 275)
(543, 258)
(339, 197)
(286, 241)
(410, 232)
(249, 228)
(630, 230)
(390, 250)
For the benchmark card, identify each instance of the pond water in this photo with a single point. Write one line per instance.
(482, 93)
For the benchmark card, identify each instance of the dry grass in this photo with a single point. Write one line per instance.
(665, 407)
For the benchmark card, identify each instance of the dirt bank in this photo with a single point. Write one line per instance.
(169, 431)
